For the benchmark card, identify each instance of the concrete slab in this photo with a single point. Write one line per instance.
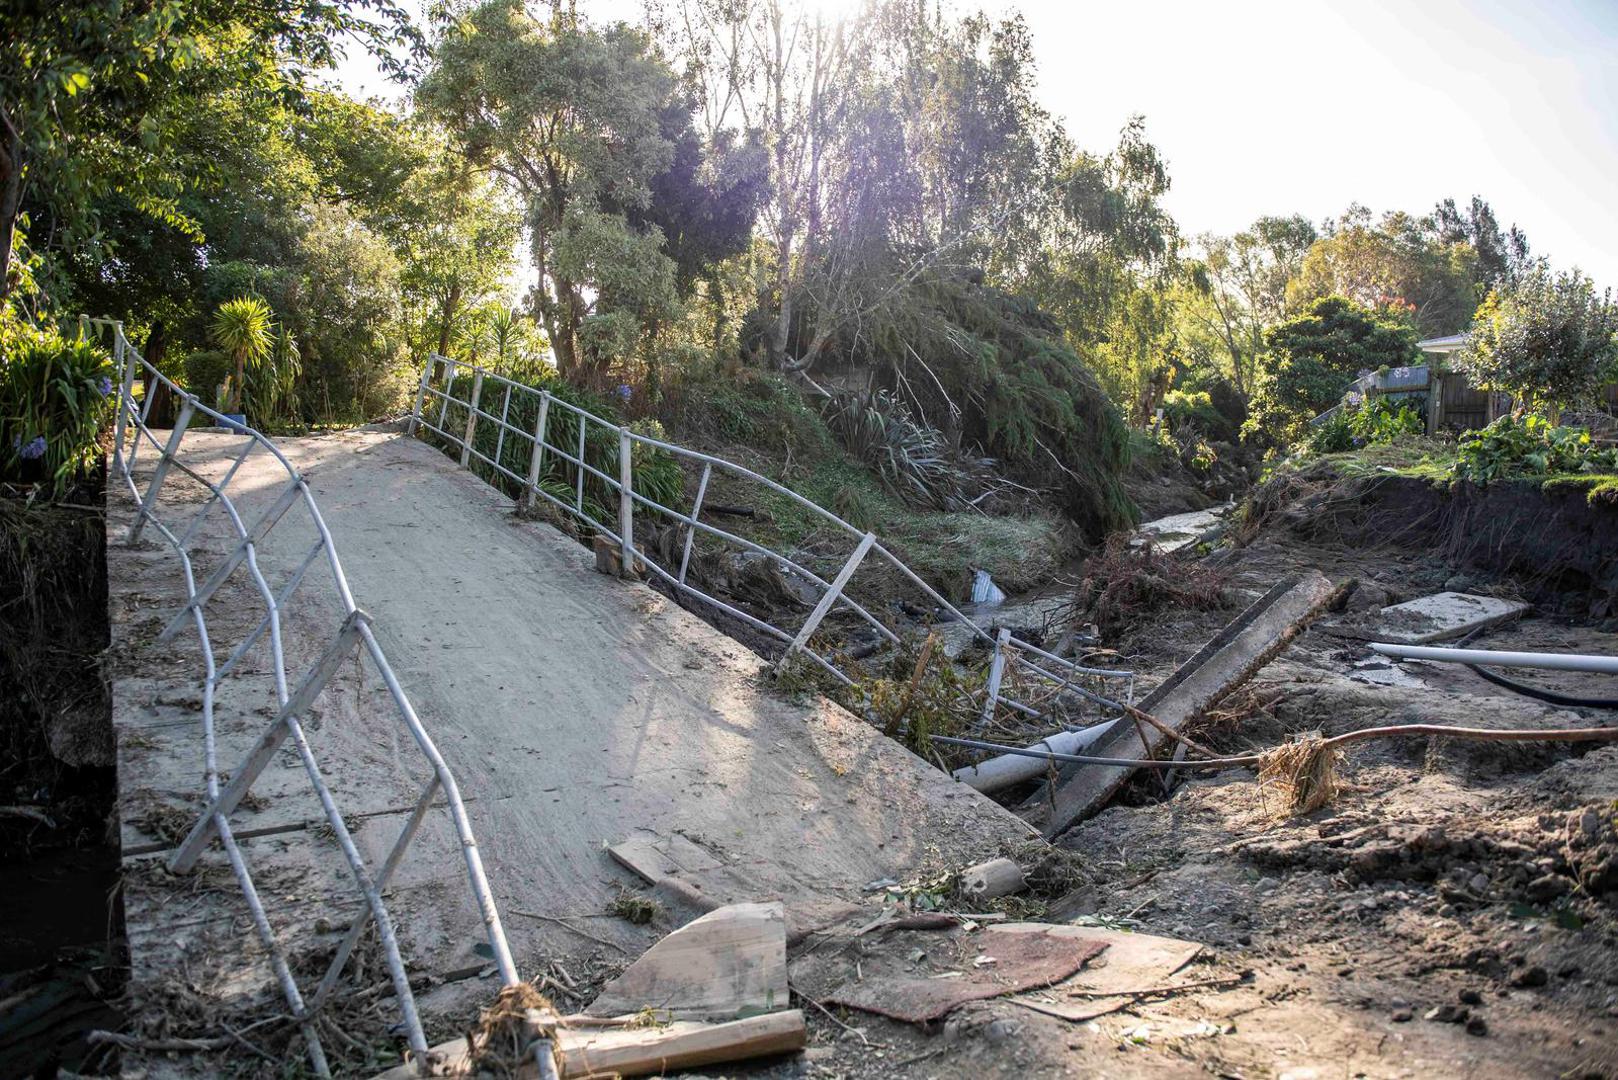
(1440, 617)
(1182, 530)
(575, 710)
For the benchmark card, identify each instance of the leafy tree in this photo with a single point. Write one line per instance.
(82, 87)
(573, 119)
(1549, 340)
(1312, 357)
(1238, 288)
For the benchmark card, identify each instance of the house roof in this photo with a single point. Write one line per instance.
(1442, 344)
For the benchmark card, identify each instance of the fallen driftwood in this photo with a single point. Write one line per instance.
(997, 877)
(643, 1050)
(1256, 637)
(729, 963)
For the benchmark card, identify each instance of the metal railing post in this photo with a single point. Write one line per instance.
(696, 512)
(505, 422)
(997, 670)
(823, 608)
(126, 396)
(472, 416)
(578, 500)
(161, 472)
(626, 502)
(263, 751)
(421, 395)
(118, 402)
(537, 462)
(449, 389)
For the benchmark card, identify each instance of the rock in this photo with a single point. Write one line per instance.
(1000, 1031)
(1477, 1026)
(1546, 887)
(1447, 1014)
(1531, 976)
(1479, 883)
(1471, 997)
(1401, 1014)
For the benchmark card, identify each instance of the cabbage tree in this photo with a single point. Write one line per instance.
(242, 328)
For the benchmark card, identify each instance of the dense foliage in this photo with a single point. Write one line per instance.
(1531, 446)
(1372, 422)
(56, 393)
(1315, 355)
(868, 227)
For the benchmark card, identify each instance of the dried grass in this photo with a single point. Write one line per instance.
(1305, 770)
(503, 1043)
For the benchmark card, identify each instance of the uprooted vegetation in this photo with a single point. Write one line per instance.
(1124, 582)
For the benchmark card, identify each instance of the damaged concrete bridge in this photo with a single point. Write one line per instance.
(573, 713)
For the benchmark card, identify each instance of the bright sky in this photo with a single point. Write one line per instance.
(1303, 106)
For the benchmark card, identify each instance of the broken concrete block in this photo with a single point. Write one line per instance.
(1439, 617)
(729, 963)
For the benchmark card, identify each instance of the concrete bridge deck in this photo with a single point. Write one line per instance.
(575, 711)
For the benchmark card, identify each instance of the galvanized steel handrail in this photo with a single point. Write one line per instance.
(834, 593)
(353, 634)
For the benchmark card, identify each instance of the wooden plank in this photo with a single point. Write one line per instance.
(645, 1051)
(654, 1051)
(728, 963)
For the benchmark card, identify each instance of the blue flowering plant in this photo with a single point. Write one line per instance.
(56, 397)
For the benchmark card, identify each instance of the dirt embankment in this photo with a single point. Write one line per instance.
(61, 956)
(1557, 546)
(1455, 909)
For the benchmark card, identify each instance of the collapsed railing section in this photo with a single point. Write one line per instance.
(487, 399)
(353, 635)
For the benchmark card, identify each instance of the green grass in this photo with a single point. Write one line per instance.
(1433, 460)
(1597, 487)
(942, 547)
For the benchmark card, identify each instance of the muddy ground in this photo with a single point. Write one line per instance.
(1451, 913)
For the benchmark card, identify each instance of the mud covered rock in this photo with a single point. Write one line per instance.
(1592, 848)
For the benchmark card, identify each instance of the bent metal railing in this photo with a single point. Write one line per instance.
(353, 633)
(1060, 677)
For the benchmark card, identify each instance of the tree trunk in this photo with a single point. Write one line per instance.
(10, 203)
(452, 300)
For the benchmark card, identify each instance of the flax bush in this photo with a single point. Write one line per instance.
(56, 393)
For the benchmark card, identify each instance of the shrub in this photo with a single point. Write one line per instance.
(912, 459)
(1531, 446)
(1194, 410)
(55, 395)
(1311, 358)
(1375, 422)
